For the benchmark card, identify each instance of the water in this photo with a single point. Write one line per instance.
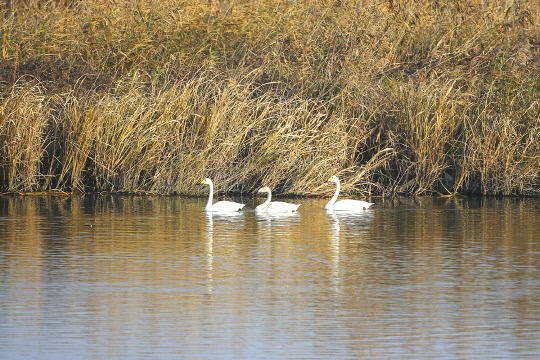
(154, 277)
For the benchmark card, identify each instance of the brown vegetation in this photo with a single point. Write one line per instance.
(410, 97)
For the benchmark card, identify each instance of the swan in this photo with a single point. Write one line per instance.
(275, 206)
(220, 206)
(344, 205)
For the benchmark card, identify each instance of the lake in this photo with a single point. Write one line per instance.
(131, 277)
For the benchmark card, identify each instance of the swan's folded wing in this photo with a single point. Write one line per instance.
(281, 206)
(351, 205)
(227, 206)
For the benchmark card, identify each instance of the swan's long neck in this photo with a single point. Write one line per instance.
(264, 205)
(210, 197)
(334, 198)
(268, 198)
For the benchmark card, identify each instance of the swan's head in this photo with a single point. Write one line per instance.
(264, 189)
(206, 181)
(333, 179)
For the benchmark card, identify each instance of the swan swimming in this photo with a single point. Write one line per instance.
(345, 205)
(220, 206)
(275, 206)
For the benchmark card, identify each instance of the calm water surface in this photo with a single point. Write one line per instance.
(155, 277)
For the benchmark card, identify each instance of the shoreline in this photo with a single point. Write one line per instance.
(416, 98)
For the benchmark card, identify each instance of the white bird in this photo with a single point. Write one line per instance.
(220, 206)
(345, 205)
(275, 206)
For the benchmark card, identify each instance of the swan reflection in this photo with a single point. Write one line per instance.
(351, 218)
(285, 217)
(209, 248)
(345, 225)
(220, 219)
(334, 245)
(275, 231)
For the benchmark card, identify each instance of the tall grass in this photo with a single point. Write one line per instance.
(394, 97)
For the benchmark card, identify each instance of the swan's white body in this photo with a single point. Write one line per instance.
(220, 206)
(345, 205)
(274, 206)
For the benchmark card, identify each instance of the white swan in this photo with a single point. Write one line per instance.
(220, 206)
(345, 205)
(275, 206)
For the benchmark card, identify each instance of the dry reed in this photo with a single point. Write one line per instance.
(410, 97)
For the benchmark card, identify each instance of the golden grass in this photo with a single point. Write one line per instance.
(410, 97)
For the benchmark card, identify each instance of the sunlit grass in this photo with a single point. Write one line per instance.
(129, 96)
